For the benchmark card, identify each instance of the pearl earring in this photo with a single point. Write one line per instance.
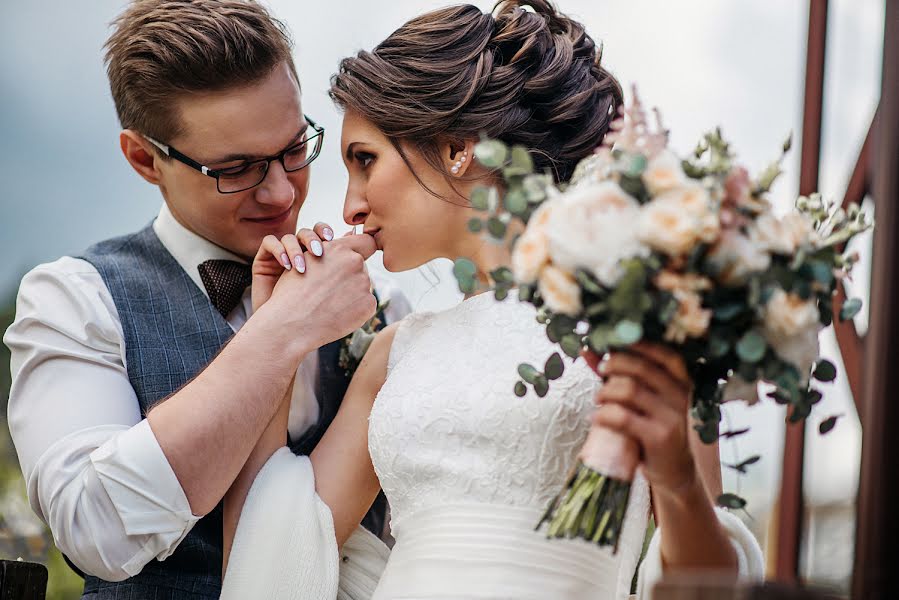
(458, 166)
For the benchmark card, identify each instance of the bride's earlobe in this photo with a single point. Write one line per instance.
(460, 158)
(460, 163)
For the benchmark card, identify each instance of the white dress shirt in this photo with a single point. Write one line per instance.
(94, 471)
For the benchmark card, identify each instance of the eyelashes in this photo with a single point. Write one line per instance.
(364, 159)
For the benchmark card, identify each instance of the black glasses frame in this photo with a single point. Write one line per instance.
(216, 174)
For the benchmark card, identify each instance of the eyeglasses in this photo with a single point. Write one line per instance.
(248, 175)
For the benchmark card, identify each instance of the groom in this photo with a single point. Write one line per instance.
(134, 405)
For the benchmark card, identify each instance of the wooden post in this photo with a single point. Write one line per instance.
(790, 508)
(21, 580)
(875, 574)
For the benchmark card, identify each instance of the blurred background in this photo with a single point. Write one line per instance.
(730, 63)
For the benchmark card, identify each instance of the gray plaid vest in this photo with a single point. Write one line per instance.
(171, 332)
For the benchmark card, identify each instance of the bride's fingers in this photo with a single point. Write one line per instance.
(629, 422)
(324, 231)
(644, 371)
(294, 251)
(628, 392)
(271, 250)
(666, 358)
(311, 240)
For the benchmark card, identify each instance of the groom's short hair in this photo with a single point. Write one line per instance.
(161, 49)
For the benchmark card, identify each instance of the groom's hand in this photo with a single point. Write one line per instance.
(333, 297)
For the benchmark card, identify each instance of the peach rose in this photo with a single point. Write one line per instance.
(560, 291)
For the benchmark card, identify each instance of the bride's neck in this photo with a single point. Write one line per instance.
(486, 255)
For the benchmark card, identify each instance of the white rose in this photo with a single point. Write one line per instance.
(738, 388)
(531, 252)
(664, 172)
(800, 350)
(791, 329)
(560, 291)
(593, 227)
(787, 315)
(784, 235)
(676, 220)
(735, 258)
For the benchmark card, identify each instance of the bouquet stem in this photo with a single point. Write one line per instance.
(593, 504)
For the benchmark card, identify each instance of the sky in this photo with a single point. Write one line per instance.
(731, 63)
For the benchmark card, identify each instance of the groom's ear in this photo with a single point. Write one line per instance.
(458, 156)
(140, 155)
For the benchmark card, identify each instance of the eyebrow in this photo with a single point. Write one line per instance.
(349, 151)
(249, 157)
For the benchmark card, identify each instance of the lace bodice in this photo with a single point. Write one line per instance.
(447, 429)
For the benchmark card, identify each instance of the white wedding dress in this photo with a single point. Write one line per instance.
(469, 468)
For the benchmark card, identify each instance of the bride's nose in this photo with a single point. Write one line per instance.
(355, 207)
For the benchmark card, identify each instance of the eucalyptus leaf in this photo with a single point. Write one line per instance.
(751, 347)
(480, 198)
(520, 389)
(732, 501)
(598, 339)
(496, 228)
(541, 386)
(850, 308)
(571, 345)
(464, 268)
(741, 467)
(491, 153)
(828, 424)
(475, 225)
(734, 433)
(516, 202)
(521, 160)
(628, 332)
(554, 367)
(825, 371)
(528, 372)
(502, 275)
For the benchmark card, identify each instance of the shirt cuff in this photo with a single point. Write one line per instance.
(143, 487)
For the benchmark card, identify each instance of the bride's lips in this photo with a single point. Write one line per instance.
(275, 219)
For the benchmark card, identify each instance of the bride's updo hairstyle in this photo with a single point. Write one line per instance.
(525, 74)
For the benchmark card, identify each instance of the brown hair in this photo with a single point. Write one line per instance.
(159, 50)
(529, 77)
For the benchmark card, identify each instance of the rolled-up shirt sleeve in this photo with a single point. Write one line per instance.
(94, 471)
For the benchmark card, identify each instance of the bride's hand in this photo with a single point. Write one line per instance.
(276, 256)
(646, 396)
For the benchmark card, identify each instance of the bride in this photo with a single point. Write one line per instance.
(467, 467)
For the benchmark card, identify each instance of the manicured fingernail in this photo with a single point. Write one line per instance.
(317, 248)
(603, 366)
(285, 260)
(329, 235)
(300, 263)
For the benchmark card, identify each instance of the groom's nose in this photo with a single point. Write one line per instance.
(355, 208)
(276, 189)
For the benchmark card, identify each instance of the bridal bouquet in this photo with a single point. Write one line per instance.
(642, 244)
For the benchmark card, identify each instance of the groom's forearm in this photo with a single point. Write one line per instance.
(272, 439)
(208, 428)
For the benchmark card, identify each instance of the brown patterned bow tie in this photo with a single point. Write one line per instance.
(225, 282)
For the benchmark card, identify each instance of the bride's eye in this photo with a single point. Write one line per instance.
(364, 159)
